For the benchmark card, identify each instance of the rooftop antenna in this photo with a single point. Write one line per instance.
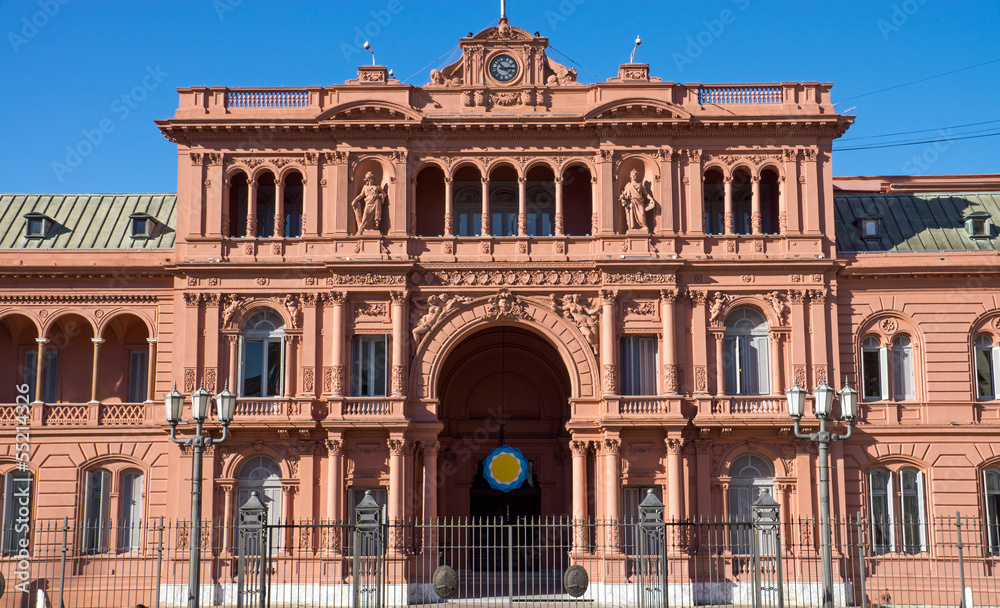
(503, 10)
(638, 41)
(368, 47)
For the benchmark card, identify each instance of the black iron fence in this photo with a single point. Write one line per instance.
(499, 563)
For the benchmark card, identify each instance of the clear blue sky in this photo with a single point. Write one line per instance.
(73, 67)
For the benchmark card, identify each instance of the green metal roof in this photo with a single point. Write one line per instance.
(915, 222)
(87, 221)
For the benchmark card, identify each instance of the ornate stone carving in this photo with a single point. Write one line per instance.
(669, 378)
(584, 318)
(369, 278)
(308, 379)
(427, 312)
(639, 277)
(397, 447)
(715, 309)
(799, 373)
(337, 380)
(504, 98)
(291, 303)
(639, 309)
(674, 446)
(889, 325)
(191, 300)
(505, 306)
(579, 448)
(729, 222)
(700, 379)
(779, 306)
(636, 202)
(398, 379)
(608, 379)
(371, 310)
(367, 206)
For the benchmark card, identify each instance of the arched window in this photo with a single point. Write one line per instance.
(910, 532)
(265, 206)
(745, 360)
(17, 495)
(263, 355)
(291, 200)
(902, 368)
(262, 475)
(986, 356)
(991, 486)
(238, 193)
(874, 371)
(742, 202)
(750, 475)
(715, 202)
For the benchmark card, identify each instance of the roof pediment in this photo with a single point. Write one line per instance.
(638, 108)
(369, 110)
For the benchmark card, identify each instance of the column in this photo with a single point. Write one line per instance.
(40, 395)
(310, 196)
(310, 335)
(430, 450)
(728, 181)
(675, 479)
(798, 362)
(612, 491)
(667, 299)
(608, 371)
(790, 194)
(151, 371)
(559, 219)
(811, 206)
(397, 447)
(229, 522)
(307, 475)
(817, 297)
(215, 194)
(279, 208)
(783, 489)
(594, 200)
(234, 363)
(579, 451)
(719, 363)
(449, 207)
(755, 204)
(338, 298)
(335, 481)
(485, 220)
(696, 193)
(703, 470)
(668, 205)
(699, 340)
(398, 342)
(777, 382)
(522, 206)
(95, 369)
(251, 208)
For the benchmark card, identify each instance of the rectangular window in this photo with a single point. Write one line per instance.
(51, 373)
(16, 511)
(912, 510)
(369, 366)
(638, 365)
(991, 483)
(745, 365)
(97, 512)
(263, 366)
(880, 489)
(138, 367)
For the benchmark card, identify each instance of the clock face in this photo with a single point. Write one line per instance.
(503, 68)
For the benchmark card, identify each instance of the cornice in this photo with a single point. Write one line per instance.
(78, 299)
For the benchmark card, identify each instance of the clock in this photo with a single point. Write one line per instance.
(503, 68)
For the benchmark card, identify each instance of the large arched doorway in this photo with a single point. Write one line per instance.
(504, 384)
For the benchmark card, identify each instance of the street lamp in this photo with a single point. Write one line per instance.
(173, 404)
(822, 399)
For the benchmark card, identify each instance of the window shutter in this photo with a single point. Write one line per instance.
(729, 364)
(138, 360)
(762, 376)
(31, 371)
(51, 375)
(995, 354)
(884, 371)
(921, 517)
(239, 388)
(890, 502)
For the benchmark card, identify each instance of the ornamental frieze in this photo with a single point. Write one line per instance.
(505, 277)
(371, 310)
(366, 278)
(77, 299)
(640, 277)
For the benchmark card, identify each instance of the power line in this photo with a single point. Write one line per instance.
(971, 124)
(915, 143)
(906, 84)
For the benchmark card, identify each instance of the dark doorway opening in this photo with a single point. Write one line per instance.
(505, 507)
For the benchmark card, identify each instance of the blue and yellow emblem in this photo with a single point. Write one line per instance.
(505, 468)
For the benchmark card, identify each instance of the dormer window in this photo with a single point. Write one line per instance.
(142, 225)
(870, 225)
(36, 226)
(978, 225)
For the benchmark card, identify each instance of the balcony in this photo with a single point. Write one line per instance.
(642, 407)
(360, 409)
(79, 414)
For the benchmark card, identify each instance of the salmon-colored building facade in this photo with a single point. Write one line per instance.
(619, 279)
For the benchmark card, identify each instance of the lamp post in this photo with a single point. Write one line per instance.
(174, 403)
(823, 396)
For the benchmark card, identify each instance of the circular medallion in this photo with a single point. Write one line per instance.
(576, 580)
(445, 582)
(505, 468)
(503, 68)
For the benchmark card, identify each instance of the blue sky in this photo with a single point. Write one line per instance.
(92, 76)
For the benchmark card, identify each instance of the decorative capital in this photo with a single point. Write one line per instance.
(397, 447)
(398, 297)
(579, 448)
(609, 296)
(674, 446)
(335, 447)
(613, 446)
(338, 297)
(668, 295)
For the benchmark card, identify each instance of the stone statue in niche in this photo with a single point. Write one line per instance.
(636, 202)
(715, 308)
(367, 205)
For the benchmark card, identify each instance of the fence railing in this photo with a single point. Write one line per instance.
(495, 562)
(740, 95)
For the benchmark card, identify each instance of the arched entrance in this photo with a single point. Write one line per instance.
(504, 380)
